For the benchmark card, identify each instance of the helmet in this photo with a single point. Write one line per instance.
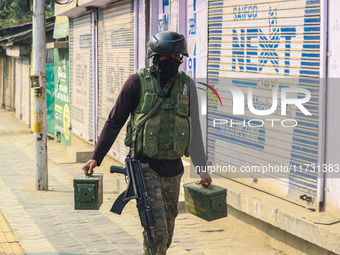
(167, 43)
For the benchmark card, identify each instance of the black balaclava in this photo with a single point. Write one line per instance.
(165, 69)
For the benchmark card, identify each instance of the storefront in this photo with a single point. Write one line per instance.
(261, 52)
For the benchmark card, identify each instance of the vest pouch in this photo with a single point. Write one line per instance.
(151, 136)
(139, 141)
(128, 136)
(149, 100)
(139, 134)
(182, 105)
(181, 136)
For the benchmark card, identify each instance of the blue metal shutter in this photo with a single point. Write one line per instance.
(260, 45)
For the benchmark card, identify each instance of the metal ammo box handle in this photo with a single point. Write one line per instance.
(209, 187)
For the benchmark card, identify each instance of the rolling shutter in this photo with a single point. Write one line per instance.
(22, 89)
(116, 59)
(81, 77)
(9, 83)
(18, 87)
(260, 46)
(26, 90)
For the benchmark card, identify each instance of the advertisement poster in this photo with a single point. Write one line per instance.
(62, 99)
(50, 92)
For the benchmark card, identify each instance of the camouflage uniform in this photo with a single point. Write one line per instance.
(163, 194)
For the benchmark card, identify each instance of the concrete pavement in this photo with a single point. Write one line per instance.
(9, 243)
(44, 222)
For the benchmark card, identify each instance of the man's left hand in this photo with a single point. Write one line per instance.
(205, 179)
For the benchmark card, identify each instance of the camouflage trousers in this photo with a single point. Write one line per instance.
(163, 195)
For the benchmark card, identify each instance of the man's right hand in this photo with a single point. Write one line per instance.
(89, 166)
(205, 180)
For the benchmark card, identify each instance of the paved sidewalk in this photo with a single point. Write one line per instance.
(45, 222)
(9, 243)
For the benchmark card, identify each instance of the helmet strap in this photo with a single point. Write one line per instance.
(155, 62)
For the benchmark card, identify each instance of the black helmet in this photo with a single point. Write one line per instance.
(167, 43)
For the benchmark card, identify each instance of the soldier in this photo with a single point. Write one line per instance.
(165, 137)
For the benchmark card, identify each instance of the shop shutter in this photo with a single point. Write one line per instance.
(18, 87)
(81, 77)
(262, 44)
(9, 83)
(116, 59)
(22, 89)
(25, 90)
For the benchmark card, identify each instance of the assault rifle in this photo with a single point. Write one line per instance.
(135, 190)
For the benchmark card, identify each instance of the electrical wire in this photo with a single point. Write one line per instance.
(63, 3)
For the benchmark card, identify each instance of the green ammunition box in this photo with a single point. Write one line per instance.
(206, 203)
(88, 192)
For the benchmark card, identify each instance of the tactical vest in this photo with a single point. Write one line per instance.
(165, 135)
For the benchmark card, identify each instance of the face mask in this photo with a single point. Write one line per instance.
(168, 68)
